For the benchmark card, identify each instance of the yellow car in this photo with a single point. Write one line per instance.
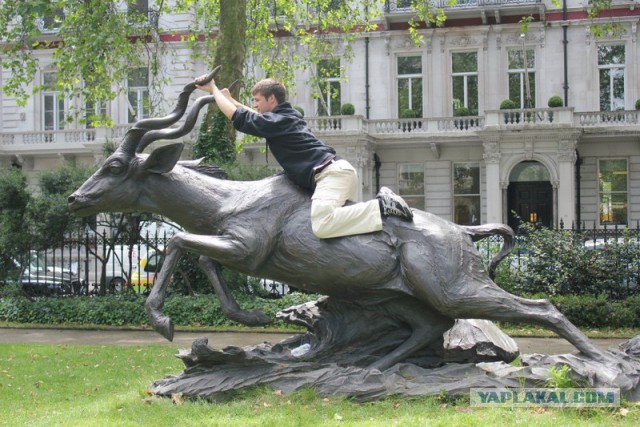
(144, 277)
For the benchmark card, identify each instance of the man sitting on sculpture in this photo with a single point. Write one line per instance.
(308, 162)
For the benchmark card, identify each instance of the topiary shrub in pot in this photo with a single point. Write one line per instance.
(347, 109)
(462, 111)
(408, 113)
(555, 101)
(508, 104)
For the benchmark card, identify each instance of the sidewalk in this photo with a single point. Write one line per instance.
(220, 340)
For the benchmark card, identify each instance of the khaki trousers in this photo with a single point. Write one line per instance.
(336, 184)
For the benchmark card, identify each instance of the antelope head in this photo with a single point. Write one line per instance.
(118, 185)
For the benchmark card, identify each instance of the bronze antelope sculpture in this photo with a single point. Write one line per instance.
(263, 229)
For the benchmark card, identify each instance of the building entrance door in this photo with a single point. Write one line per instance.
(531, 201)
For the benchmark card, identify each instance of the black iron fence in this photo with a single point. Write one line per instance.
(97, 265)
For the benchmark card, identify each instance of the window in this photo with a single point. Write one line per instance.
(329, 81)
(521, 91)
(613, 187)
(53, 103)
(411, 184)
(52, 19)
(611, 60)
(139, 105)
(466, 193)
(464, 76)
(95, 111)
(138, 11)
(409, 86)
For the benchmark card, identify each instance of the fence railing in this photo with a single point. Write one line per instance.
(95, 264)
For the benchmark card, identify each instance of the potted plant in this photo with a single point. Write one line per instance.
(408, 113)
(347, 109)
(554, 102)
(508, 104)
(462, 111)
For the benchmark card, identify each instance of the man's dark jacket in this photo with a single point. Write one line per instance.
(289, 138)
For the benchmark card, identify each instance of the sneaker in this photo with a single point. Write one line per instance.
(393, 205)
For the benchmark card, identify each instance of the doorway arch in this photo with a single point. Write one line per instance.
(529, 194)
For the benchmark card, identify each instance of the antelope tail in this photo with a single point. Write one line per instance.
(479, 232)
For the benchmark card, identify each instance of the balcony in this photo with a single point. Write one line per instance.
(489, 11)
(87, 140)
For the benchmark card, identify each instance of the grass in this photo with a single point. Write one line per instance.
(49, 385)
(511, 329)
(522, 330)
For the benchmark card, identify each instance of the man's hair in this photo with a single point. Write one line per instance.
(271, 87)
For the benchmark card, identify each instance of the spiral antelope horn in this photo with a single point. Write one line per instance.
(134, 136)
(174, 133)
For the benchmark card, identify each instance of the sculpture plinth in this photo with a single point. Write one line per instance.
(334, 360)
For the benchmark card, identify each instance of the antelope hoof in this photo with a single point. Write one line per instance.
(164, 326)
(258, 318)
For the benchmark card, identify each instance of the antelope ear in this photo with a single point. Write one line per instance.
(164, 158)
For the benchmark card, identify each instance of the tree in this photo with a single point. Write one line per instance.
(278, 36)
(14, 199)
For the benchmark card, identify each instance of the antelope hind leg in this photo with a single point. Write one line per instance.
(229, 305)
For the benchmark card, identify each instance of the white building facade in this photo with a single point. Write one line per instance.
(427, 121)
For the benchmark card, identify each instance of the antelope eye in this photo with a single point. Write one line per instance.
(115, 168)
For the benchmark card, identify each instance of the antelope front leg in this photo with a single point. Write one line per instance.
(219, 248)
(155, 301)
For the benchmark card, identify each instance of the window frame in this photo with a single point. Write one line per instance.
(611, 193)
(139, 92)
(465, 85)
(329, 84)
(456, 195)
(58, 101)
(610, 67)
(531, 73)
(410, 77)
(409, 196)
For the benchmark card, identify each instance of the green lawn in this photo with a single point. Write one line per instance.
(47, 385)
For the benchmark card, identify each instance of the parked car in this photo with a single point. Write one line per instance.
(143, 278)
(38, 276)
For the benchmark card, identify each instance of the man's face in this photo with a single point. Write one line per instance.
(264, 105)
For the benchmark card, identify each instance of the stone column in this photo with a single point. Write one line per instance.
(566, 182)
(494, 189)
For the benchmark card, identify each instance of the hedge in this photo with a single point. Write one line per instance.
(204, 310)
(119, 310)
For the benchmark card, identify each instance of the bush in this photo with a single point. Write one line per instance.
(556, 262)
(299, 109)
(637, 104)
(555, 101)
(128, 309)
(408, 113)
(508, 104)
(347, 109)
(462, 111)
(599, 311)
